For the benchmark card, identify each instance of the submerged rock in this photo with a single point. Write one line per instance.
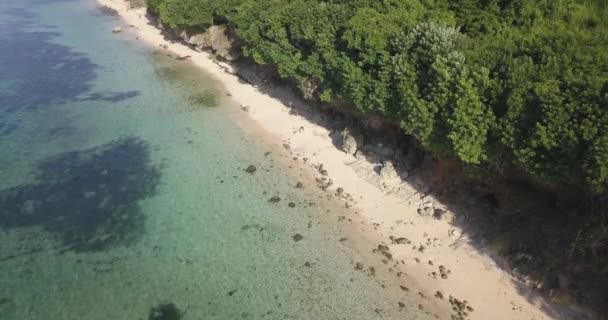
(8, 308)
(29, 207)
(297, 237)
(167, 311)
(251, 169)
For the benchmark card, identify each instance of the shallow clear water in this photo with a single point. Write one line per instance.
(122, 187)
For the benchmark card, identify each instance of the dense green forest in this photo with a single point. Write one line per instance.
(493, 83)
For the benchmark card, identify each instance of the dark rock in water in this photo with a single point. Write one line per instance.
(108, 11)
(299, 185)
(8, 308)
(274, 199)
(251, 169)
(292, 205)
(29, 207)
(167, 311)
(297, 237)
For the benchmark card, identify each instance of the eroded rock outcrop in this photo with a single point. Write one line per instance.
(220, 40)
(351, 140)
(388, 171)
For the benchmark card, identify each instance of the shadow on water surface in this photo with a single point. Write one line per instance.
(89, 199)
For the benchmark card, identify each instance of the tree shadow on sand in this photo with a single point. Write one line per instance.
(88, 200)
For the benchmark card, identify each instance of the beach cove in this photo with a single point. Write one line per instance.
(138, 180)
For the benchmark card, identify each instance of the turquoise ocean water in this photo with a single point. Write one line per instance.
(122, 187)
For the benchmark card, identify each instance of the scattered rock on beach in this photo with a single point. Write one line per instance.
(400, 240)
(321, 170)
(384, 250)
(444, 215)
(439, 295)
(116, 30)
(426, 211)
(460, 308)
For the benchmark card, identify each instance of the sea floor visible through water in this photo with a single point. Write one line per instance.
(123, 187)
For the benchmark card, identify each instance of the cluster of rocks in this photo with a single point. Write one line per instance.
(384, 250)
(344, 195)
(371, 271)
(324, 183)
(400, 240)
(461, 309)
(429, 208)
(393, 162)
(444, 272)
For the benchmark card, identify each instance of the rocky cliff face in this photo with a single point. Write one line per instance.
(218, 39)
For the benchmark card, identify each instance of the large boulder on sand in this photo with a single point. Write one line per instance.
(219, 39)
(351, 140)
(388, 171)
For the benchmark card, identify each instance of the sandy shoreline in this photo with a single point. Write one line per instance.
(474, 277)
